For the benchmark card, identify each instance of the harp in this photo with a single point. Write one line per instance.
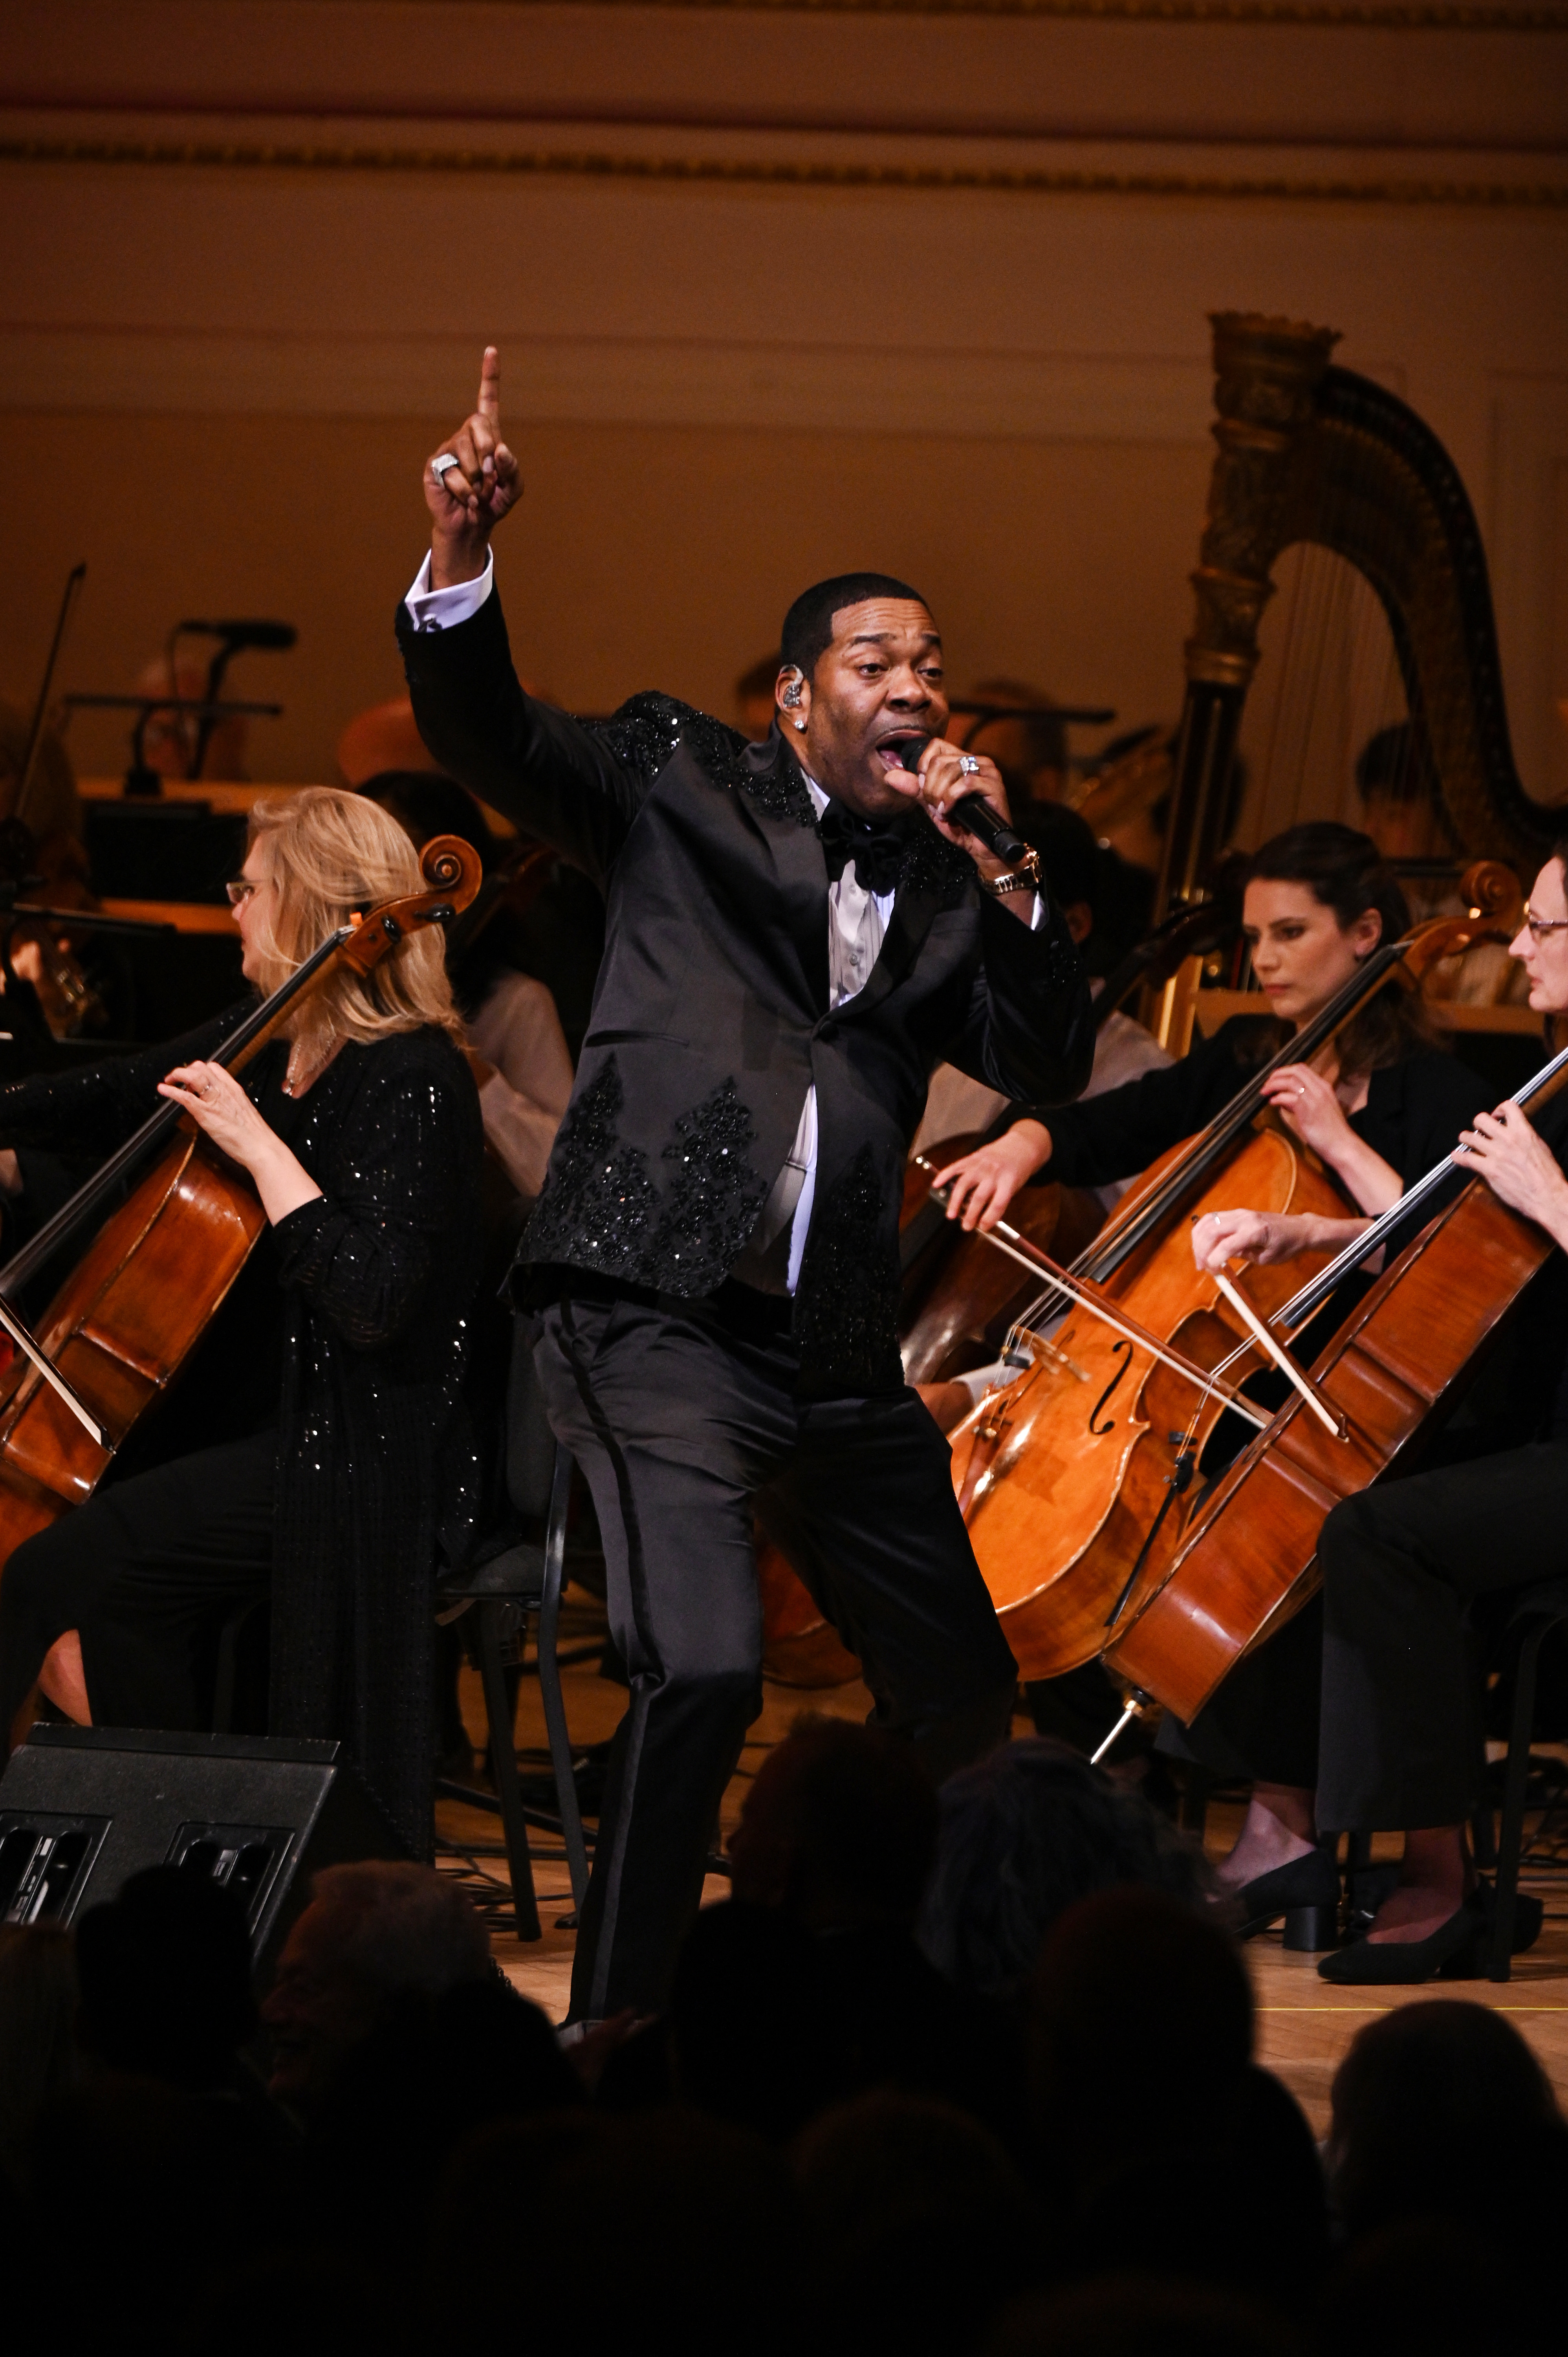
(1314, 455)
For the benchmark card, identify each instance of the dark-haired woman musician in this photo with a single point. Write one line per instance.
(1400, 1743)
(314, 1447)
(1380, 1107)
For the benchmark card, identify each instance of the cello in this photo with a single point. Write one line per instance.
(1070, 1472)
(1390, 1373)
(149, 1282)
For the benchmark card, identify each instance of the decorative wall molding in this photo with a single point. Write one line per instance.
(555, 84)
(1398, 16)
(1537, 189)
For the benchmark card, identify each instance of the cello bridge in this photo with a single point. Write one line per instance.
(1060, 1359)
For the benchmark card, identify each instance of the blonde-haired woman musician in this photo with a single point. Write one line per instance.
(314, 1451)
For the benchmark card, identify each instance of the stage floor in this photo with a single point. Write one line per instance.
(1304, 2024)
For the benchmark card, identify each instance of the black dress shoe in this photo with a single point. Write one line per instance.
(1305, 1892)
(1452, 1950)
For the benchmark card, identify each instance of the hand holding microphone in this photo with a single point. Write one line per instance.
(964, 791)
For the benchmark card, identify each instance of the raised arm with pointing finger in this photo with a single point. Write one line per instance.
(469, 484)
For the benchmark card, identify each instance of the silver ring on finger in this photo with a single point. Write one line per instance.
(968, 767)
(441, 467)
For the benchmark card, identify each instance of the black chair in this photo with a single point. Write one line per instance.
(1535, 1614)
(503, 1591)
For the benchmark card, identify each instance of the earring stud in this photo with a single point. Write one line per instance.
(801, 726)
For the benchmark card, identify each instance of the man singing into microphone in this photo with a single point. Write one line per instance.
(796, 935)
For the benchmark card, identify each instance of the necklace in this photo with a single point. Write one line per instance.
(294, 1082)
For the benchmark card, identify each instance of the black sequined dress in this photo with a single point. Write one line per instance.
(368, 1289)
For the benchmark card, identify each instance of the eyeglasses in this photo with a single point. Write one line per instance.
(240, 891)
(1537, 926)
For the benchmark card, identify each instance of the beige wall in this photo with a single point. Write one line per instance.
(645, 556)
(746, 341)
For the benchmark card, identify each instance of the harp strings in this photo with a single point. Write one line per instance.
(1329, 681)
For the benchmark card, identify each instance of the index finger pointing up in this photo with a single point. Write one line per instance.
(490, 385)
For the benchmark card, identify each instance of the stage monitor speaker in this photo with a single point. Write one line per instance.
(83, 1808)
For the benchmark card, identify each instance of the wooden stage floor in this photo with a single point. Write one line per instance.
(1304, 2024)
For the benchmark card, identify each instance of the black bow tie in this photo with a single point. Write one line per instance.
(877, 851)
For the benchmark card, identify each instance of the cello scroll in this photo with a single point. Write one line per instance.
(451, 868)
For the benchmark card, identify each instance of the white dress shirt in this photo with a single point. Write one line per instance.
(857, 919)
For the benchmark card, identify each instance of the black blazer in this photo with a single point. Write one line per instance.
(711, 1015)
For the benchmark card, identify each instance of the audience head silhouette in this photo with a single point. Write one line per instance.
(838, 1829)
(1139, 2010)
(1021, 1836)
(164, 1971)
(1435, 2106)
(372, 1932)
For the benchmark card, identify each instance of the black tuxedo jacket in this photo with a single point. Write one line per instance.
(710, 1017)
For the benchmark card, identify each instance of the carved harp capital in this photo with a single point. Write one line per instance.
(1267, 372)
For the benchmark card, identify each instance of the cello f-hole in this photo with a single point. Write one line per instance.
(1123, 1351)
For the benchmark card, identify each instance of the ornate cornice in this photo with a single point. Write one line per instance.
(233, 155)
(1403, 16)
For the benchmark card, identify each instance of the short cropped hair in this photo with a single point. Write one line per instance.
(808, 631)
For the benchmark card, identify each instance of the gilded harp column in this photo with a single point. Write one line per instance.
(1267, 372)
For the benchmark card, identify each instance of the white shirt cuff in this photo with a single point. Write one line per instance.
(443, 610)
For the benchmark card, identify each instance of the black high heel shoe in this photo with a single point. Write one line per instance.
(1305, 1892)
(1453, 1950)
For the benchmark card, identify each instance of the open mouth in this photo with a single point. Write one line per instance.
(901, 752)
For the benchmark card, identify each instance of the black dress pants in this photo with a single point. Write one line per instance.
(1399, 1743)
(682, 1414)
(147, 1570)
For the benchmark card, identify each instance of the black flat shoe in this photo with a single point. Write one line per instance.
(1451, 1950)
(1305, 1892)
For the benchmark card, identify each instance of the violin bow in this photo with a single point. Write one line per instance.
(34, 1351)
(1335, 1426)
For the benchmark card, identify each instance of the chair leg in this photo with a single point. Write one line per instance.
(1510, 1834)
(1192, 1815)
(504, 1752)
(549, 1681)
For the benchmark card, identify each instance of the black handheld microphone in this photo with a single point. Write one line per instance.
(974, 814)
